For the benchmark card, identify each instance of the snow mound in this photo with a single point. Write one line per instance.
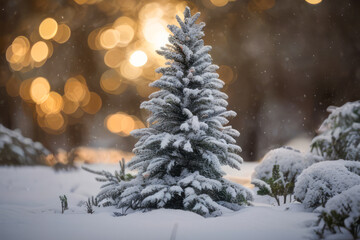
(291, 162)
(343, 211)
(321, 181)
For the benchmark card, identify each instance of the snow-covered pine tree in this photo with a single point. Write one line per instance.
(179, 156)
(340, 134)
(15, 149)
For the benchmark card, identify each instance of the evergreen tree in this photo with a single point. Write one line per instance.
(179, 156)
(340, 134)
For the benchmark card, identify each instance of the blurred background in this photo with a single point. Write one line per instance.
(74, 72)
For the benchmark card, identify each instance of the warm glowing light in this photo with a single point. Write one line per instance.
(69, 106)
(314, 1)
(27, 60)
(113, 57)
(120, 123)
(54, 121)
(74, 90)
(138, 58)
(48, 28)
(94, 104)
(39, 51)
(129, 71)
(126, 34)
(11, 57)
(39, 90)
(20, 46)
(53, 104)
(16, 66)
(111, 82)
(219, 3)
(109, 38)
(63, 34)
(155, 32)
(25, 90)
(93, 40)
(151, 10)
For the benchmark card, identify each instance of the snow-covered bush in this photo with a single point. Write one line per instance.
(277, 172)
(321, 181)
(111, 181)
(340, 134)
(342, 212)
(179, 156)
(15, 149)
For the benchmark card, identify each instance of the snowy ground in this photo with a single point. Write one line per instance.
(30, 209)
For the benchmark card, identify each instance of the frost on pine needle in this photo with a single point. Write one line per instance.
(340, 134)
(179, 156)
(15, 149)
(110, 182)
(276, 174)
(341, 212)
(320, 182)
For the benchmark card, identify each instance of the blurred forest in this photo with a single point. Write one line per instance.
(81, 82)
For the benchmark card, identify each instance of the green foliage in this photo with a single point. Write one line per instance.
(275, 186)
(64, 203)
(89, 205)
(110, 180)
(340, 135)
(341, 212)
(335, 220)
(15, 149)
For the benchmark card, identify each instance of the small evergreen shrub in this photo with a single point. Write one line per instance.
(342, 212)
(89, 206)
(321, 181)
(15, 149)
(110, 181)
(276, 174)
(64, 203)
(340, 134)
(274, 186)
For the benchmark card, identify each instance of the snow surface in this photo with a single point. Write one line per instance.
(30, 209)
(323, 180)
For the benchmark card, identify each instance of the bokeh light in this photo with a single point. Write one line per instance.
(54, 121)
(63, 34)
(39, 51)
(129, 71)
(314, 1)
(48, 28)
(75, 90)
(138, 58)
(39, 90)
(112, 83)
(94, 104)
(113, 57)
(109, 38)
(25, 90)
(69, 106)
(121, 123)
(53, 103)
(219, 3)
(155, 32)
